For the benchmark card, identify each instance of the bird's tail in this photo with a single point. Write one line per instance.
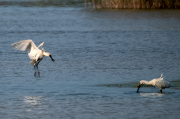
(32, 62)
(171, 84)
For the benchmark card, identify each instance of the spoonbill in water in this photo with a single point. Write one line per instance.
(158, 82)
(34, 52)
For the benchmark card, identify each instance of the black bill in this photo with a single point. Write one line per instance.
(138, 88)
(51, 58)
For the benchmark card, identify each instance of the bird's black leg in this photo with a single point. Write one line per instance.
(34, 70)
(38, 72)
(161, 90)
(38, 69)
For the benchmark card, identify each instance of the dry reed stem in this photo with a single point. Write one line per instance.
(136, 4)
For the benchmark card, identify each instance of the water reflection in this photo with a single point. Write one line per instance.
(152, 94)
(42, 3)
(31, 100)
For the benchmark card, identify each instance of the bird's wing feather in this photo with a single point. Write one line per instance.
(162, 84)
(41, 44)
(31, 56)
(25, 45)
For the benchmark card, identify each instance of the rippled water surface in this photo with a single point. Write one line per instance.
(92, 50)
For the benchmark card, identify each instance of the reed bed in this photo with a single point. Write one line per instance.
(134, 4)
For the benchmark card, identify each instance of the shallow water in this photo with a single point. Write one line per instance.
(92, 49)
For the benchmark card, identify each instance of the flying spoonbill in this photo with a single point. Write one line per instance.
(34, 52)
(158, 82)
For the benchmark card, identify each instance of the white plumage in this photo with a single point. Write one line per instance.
(158, 82)
(34, 52)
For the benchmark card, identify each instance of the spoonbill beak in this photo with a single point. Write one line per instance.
(138, 87)
(51, 58)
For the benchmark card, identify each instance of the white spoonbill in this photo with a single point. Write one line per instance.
(158, 82)
(34, 52)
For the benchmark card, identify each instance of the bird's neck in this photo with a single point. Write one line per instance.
(46, 54)
(146, 82)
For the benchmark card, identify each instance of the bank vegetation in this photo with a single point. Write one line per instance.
(135, 4)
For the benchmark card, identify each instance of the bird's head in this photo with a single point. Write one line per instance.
(48, 55)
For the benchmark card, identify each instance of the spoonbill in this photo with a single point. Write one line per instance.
(34, 52)
(158, 82)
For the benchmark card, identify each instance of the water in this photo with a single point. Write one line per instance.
(92, 50)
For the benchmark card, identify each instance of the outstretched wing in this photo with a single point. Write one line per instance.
(41, 44)
(25, 45)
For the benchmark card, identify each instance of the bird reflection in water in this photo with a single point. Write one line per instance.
(152, 94)
(31, 100)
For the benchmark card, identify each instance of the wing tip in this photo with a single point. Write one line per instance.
(20, 45)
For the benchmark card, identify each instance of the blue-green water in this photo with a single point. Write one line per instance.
(92, 49)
